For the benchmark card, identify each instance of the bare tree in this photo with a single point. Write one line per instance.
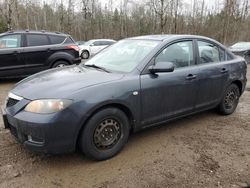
(160, 7)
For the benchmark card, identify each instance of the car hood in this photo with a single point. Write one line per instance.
(61, 82)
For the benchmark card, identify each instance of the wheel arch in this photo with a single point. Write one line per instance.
(239, 84)
(60, 56)
(124, 108)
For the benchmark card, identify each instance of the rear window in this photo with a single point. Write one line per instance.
(56, 39)
(37, 40)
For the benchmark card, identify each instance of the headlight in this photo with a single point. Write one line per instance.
(47, 106)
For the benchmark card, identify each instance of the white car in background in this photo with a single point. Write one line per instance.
(92, 47)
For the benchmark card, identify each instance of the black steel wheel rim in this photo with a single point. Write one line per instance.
(107, 133)
(231, 98)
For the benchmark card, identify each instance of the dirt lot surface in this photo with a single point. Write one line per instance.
(205, 150)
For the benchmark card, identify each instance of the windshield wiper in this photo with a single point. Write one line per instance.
(97, 67)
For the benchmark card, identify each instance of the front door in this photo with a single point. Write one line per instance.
(11, 63)
(166, 95)
(96, 47)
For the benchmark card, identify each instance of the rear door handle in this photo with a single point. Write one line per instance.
(191, 77)
(223, 70)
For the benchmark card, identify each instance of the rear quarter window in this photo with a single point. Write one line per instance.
(69, 40)
(229, 57)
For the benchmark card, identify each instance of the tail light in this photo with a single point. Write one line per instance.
(74, 47)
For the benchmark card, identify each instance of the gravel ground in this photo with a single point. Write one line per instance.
(204, 150)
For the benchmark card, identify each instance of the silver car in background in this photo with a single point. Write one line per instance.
(92, 47)
(241, 49)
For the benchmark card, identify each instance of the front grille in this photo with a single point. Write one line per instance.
(11, 102)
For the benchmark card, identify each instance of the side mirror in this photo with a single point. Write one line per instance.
(162, 67)
(91, 45)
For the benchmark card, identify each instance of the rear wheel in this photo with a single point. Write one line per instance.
(60, 64)
(105, 134)
(230, 100)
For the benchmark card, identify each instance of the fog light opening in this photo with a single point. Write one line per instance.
(35, 140)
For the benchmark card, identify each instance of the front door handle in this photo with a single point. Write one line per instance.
(191, 77)
(223, 70)
(15, 52)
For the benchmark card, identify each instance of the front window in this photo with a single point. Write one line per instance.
(124, 55)
(180, 54)
(10, 41)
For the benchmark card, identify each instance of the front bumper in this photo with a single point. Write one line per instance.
(54, 133)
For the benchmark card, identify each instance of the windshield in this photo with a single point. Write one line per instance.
(241, 45)
(124, 55)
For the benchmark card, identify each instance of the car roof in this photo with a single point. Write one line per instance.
(35, 32)
(164, 37)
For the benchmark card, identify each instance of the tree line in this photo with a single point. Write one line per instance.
(227, 21)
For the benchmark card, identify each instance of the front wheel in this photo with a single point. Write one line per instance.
(230, 100)
(105, 134)
(85, 54)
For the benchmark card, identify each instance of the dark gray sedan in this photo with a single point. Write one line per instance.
(134, 84)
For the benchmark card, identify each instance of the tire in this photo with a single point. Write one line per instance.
(85, 54)
(60, 64)
(105, 134)
(230, 100)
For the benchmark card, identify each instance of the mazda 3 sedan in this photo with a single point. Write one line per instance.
(134, 84)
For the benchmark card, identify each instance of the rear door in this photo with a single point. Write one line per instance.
(213, 74)
(11, 63)
(167, 95)
(36, 52)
